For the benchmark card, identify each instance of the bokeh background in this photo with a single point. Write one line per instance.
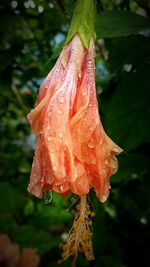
(32, 33)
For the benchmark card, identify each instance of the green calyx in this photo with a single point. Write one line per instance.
(83, 22)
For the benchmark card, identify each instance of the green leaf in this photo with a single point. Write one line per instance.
(131, 167)
(53, 212)
(7, 222)
(12, 200)
(28, 236)
(119, 23)
(128, 111)
(134, 50)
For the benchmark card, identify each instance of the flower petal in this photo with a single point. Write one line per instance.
(73, 151)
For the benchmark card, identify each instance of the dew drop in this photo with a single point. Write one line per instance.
(103, 198)
(84, 93)
(33, 165)
(100, 142)
(54, 168)
(94, 161)
(61, 99)
(91, 145)
(79, 75)
(47, 196)
(59, 111)
(94, 108)
(113, 164)
(60, 135)
(50, 138)
(106, 161)
(103, 171)
(91, 128)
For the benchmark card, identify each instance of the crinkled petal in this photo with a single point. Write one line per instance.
(73, 152)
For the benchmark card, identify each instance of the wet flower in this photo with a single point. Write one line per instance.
(73, 152)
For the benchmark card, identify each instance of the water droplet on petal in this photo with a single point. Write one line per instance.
(84, 93)
(113, 164)
(59, 111)
(79, 75)
(47, 196)
(103, 171)
(91, 128)
(60, 135)
(94, 161)
(52, 155)
(100, 142)
(61, 99)
(50, 138)
(54, 168)
(103, 198)
(106, 161)
(91, 145)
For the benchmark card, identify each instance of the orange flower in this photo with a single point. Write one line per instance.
(10, 255)
(73, 152)
(9, 252)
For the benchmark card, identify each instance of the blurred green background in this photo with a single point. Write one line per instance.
(32, 34)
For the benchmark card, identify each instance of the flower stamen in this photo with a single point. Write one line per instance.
(79, 237)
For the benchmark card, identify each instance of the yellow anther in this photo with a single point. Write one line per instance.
(79, 237)
(88, 212)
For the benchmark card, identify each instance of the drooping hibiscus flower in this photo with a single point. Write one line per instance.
(73, 152)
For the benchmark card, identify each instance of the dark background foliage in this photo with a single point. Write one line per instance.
(32, 32)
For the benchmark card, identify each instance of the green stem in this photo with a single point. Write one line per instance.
(83, 21)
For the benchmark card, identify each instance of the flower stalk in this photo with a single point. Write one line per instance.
(83, 22)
